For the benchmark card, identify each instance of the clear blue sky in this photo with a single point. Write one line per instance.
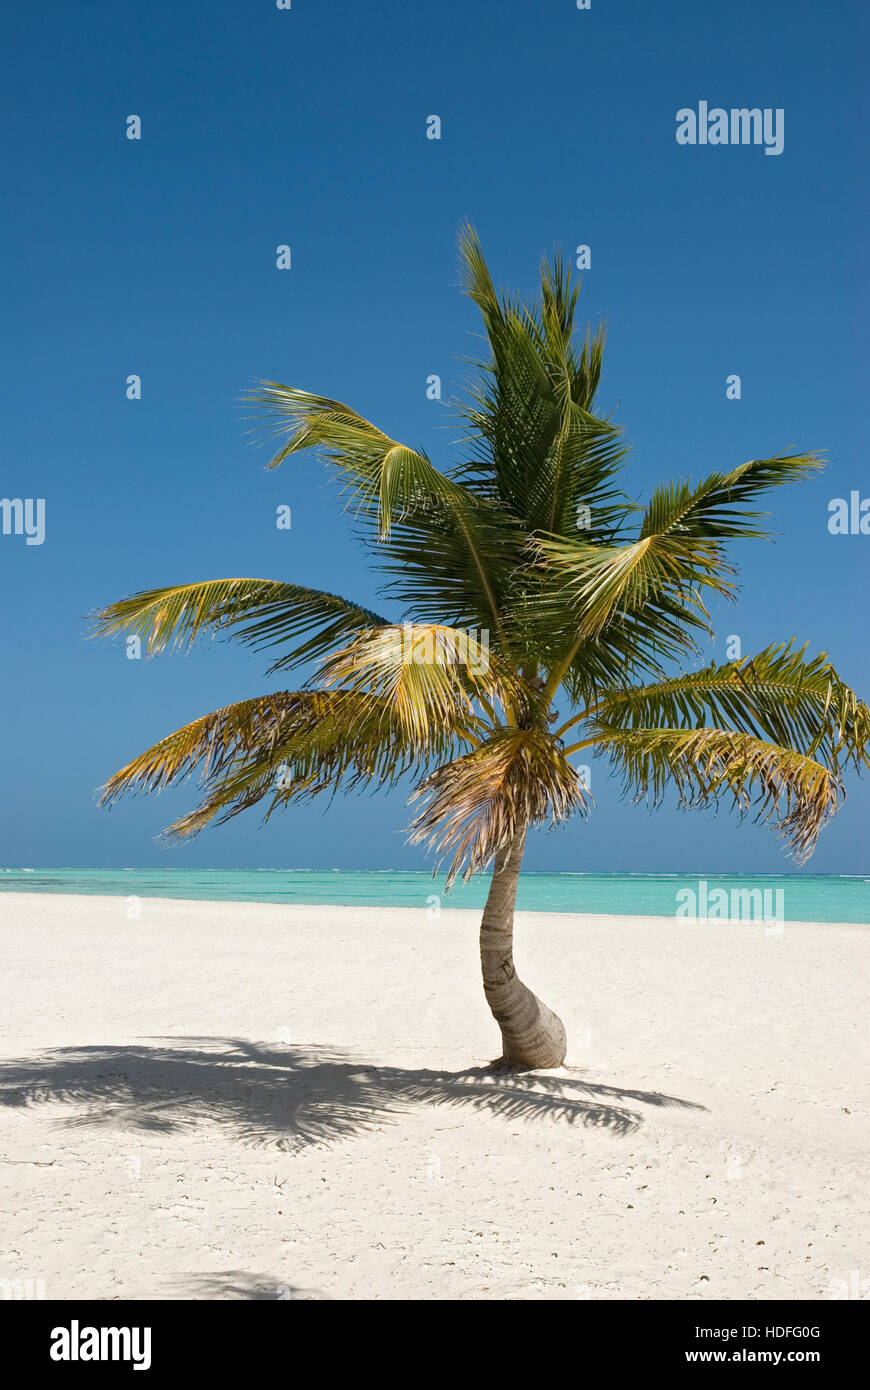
(307, 127)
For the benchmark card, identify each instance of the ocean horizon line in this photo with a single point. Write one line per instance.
(423, 873)
(795, 896)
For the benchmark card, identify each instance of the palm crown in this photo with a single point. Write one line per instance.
(520, 572)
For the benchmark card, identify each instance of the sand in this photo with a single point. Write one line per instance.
(222, 1100)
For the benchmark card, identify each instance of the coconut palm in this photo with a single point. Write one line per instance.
(523, 575)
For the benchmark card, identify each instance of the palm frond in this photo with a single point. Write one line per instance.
(443, 537)
(291, 745)
(793, 790)
(384, 479)
(678, 553)
(212, 741)
(777, 695)
(712, 511)
(537, 449)
(607, 581)
(258, 612)
(454, 562)
(428, 674)
(475, 806)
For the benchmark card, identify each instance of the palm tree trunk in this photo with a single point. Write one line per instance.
(532, 1035)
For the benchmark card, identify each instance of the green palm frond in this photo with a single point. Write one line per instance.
(258, 612)
(383, 478)
(433, 522)
(537, 447)
(642, 599)
(606, 581)
(678, 553)
(711, 509)
(455, 563)
(777, 695)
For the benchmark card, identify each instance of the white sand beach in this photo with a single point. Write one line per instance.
(224, 1100)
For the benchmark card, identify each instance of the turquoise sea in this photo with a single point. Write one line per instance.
(806, 897)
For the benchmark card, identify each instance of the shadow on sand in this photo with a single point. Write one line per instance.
(238, 1284)
(287, 1098)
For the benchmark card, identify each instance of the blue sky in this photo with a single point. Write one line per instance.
(307, 127)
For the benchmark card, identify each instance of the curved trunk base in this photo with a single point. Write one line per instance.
(532, 1035)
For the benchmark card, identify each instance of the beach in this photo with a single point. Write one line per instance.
(242, 1100)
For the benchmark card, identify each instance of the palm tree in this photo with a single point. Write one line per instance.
(525, 575)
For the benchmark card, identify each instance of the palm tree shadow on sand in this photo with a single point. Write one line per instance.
(287, 1098)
